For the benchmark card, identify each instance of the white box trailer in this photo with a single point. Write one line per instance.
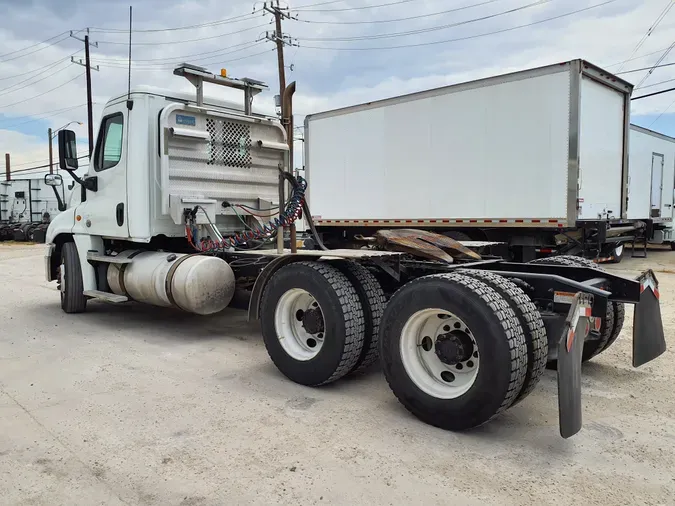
(651, 182)
(519, 157)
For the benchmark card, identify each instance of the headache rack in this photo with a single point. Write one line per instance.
(199, 75)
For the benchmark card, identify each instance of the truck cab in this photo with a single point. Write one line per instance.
(160, 152)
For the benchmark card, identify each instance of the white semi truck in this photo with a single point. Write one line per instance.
(184, 204)
(652, 183)
(536, 159)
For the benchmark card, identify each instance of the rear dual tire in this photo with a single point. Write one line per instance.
(421, 368)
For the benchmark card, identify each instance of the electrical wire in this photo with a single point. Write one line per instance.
(116, 60)
(655, 84)
(172, 63)
(185, 41)
(34, 45)
(650, 30)
(43, 93)
(398, 2)
(45, 166)
(654, 94)
(664, 112)
(36, 50)
(155, 69)
(651, 70)
(409, 18)
(302, 7)
(469, 37)
(645, 68)
(234, 19)
(46, 114)
(637, 57)
(8, 90)
(288, 216)
(426, 30)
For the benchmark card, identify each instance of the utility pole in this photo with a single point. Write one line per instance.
(87, 65)
(8, 172)
(51, 161)
(278, 38)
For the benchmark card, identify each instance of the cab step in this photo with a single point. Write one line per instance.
(95, 256)
(106, 296)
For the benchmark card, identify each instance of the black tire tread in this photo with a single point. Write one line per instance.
(73, 300)
(352, 313)
(512, 329)
(374, 301)
(530, 320)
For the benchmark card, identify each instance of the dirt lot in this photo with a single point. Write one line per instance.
(136, 405)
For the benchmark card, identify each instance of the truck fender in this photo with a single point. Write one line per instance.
(263, 278)
(86, 243)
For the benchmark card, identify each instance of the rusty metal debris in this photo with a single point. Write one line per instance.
(424, 244)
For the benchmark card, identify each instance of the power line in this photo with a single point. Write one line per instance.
(436, 42)
(46, 166)
(43, 93)
(212, 53)
(654, 84)
(650, 30)
(637, 57)
(653, 94)
(409, 18)
(430, 29)
(34, 45)
(155, 69)
(234, 19)
(319, 3)
(8, 90)
(300, 9)
(184, 41)
(651, 70)
(170, 64)
(644, 68)
(36, 50)
(46, 114)
(664, 112)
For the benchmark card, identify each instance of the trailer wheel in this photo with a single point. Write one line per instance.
(312, 323)
(616, 254)
(70, 282)
(452, 350)
(530, 320)
(611, 325)
(373, 302)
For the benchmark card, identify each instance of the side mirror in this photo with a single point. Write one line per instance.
(53, 180)
(67, 150)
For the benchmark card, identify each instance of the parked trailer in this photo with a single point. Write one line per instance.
(537, 159)
(652, 183)
(460, 338)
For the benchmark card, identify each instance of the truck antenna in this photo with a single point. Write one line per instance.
(130, 104)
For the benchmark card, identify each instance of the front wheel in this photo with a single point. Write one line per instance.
(70, 280)
(452, 350)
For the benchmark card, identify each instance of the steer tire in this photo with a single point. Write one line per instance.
(499, 348)
(70, 280)
(343, 321)
(373, 302)
(613, 321)
(530, 320)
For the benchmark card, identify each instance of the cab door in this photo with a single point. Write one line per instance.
(104, 212)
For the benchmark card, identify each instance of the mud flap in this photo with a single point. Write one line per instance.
(570, 349)
(648, 338)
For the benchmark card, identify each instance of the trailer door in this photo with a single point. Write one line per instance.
(657, 184)
(601, 154)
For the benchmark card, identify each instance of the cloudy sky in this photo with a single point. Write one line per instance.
(343, 52)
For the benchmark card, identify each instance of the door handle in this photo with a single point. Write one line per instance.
(119, 214)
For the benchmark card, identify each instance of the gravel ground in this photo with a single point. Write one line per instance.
(137, 405)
